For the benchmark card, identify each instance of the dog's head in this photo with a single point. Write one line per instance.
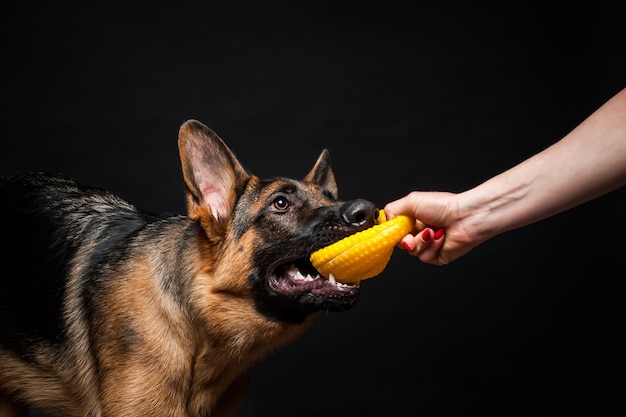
(259, 234)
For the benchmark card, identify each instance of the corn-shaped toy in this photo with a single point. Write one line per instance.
(364, 254)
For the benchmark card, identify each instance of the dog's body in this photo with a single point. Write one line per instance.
(106, 310)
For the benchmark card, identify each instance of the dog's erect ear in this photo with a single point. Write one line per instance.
(213, 175)
(322, 174)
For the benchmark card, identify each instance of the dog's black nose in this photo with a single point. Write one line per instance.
(359, 213)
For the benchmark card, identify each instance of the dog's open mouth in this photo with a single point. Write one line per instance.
(297, 278)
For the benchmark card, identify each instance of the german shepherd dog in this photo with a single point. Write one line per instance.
(107, 310)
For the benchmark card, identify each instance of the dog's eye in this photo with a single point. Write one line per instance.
(280, 204)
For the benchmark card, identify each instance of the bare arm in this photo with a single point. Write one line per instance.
(588, 162)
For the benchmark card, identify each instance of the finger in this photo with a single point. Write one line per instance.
(416, 244)
(432, 253)
(407, 243)
(419, 225)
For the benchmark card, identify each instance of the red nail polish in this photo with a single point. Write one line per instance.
(439, 232)
(407, 246)
(427, 235)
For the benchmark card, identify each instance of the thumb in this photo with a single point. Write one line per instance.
(426, 206)
(408, 205)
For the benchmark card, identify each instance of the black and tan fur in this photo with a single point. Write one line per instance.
(107, 310)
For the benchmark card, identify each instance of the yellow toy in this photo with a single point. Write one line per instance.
(364, 254)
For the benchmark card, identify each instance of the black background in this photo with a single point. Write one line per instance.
(405, 97)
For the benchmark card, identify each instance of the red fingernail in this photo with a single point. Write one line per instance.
(439, 232)
(427, 235)
(407, 246)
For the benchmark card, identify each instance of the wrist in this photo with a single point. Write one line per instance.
(490, 209)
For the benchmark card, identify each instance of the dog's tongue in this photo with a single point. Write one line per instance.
(364, 254)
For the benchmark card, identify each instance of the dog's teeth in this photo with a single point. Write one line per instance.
(294, 273)
(331, 278)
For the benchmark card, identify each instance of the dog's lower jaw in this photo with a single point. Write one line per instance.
(295, 306)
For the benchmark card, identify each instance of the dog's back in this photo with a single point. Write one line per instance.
(55, 232)
(45, 221)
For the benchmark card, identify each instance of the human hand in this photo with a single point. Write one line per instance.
(441, 237)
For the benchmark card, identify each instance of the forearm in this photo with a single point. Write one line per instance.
(587, 163)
